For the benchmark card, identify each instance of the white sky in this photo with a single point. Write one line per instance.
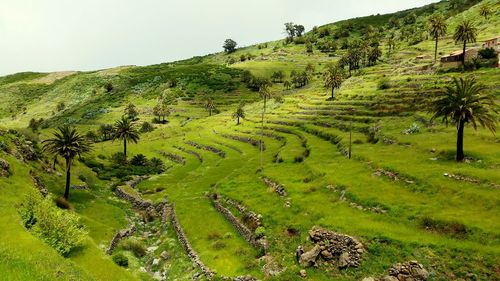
(56, 35)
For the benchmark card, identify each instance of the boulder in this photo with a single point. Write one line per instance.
(344, 260)
(309, 258)
(303, 273)
(164, 255)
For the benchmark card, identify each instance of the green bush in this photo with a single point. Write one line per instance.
(384, 84)
(135, 246)
(260, 232)
(120, 260)
(488, 53)
(58, 228)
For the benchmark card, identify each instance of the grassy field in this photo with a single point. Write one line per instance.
(404, 196)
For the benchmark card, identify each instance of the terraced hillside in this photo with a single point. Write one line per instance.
(238, 201)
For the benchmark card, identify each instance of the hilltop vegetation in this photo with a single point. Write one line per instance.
(230, 159)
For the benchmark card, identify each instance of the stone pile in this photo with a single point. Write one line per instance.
(407, 271)
(331, 247)
(392, 175)
(4, 168)
(207, 148)
(253, 142)
(279, 188)
(39, 184)
(120, 235)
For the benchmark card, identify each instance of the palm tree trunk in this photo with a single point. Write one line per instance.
(350, 139)
(125, 147)
(460, 141)
(463, 57)
(436, 51)
(332, 92)
(68, 178)
(238, 122)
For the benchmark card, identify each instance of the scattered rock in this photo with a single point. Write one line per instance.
(4, 168)
(309, 258)
(164, 255)
(152, 249)
(303, 273)
(155, 262)
(368, 279)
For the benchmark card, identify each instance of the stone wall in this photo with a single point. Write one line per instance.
(207, 148)
(120, 235)
(181, 236)
(137, 203)
(240, 227)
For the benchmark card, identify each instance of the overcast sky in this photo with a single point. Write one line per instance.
(57, 35)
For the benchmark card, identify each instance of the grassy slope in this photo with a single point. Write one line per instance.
(391, 237)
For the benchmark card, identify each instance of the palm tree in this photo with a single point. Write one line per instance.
(485, 11)
(126, 130)
(463, 102)
(465, 32)
(239, 113)
(209, 106)
(437, 29)
(333, 77)
(68, 144)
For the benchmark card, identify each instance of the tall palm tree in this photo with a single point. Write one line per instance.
(239, 113)
(464, 102)
(67, 143)
(485, 11)
(265, 94)
(437, 29)
(333, 77)
(465, 32)
(126, 130)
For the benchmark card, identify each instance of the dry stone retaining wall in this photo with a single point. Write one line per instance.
(120, 235)
(187, 246)
(196, 154)
(240, 227)
(39, 184)
(208, 148)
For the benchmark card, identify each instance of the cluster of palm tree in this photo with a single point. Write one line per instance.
(465, 32)
(67, 143)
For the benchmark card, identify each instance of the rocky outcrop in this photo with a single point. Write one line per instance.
(4, 168)
(215, 150)
(279, 188)
(39, 184)
(339, 249)
(181, 236)
(249, 236)
(120, 235)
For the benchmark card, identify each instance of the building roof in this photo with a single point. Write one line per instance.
(494, 38)
(457, 53)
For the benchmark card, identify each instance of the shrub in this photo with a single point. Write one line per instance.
(488, 53)
(120, 260)
(58, 228)
(260, 232)
(298, 159)
(62, 203)
(139, 160)
(384, 84)
(147, 127)
(217, 245)
(372, 134)
(135, 246)
(119, 158)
